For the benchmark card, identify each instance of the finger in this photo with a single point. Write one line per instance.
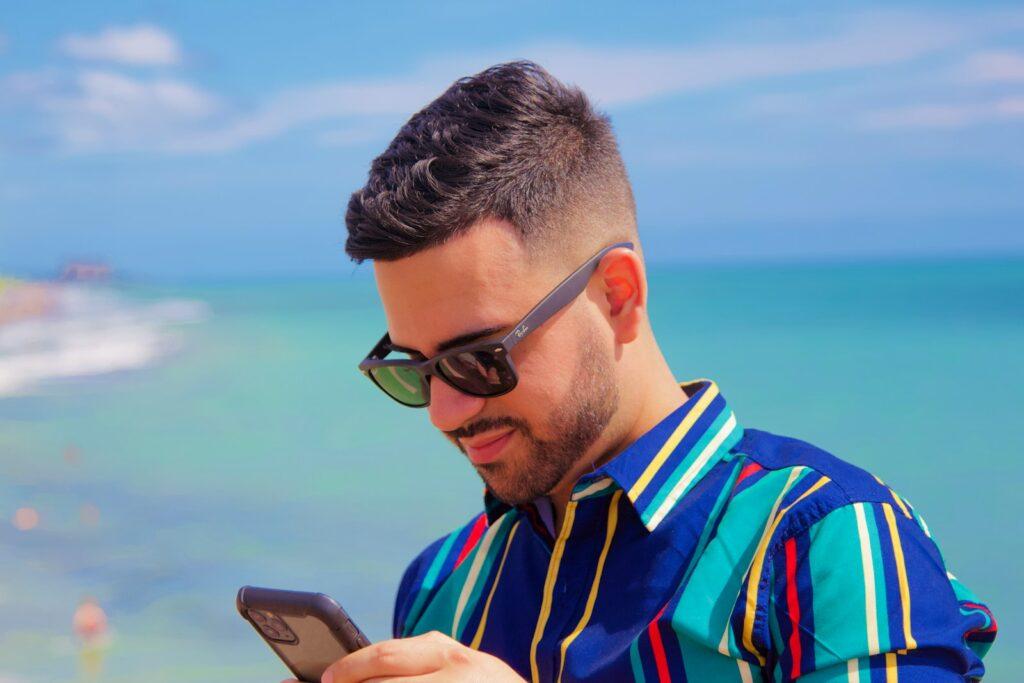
(432, 677)
(400, 657)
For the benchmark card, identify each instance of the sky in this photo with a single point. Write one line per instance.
(194, 140)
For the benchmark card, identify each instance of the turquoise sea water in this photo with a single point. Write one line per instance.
(243, 447)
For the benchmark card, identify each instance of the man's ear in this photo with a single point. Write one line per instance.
(624, 283)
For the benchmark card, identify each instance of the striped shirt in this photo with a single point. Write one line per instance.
(705, 552)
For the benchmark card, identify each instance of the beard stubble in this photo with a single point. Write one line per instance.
(575, 424)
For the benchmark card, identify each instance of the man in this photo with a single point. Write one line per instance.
(633, 529)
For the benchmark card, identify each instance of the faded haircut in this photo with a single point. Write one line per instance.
(511, 142)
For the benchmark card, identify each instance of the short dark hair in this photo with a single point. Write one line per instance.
(511, 142)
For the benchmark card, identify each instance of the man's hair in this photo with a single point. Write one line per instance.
(511, 142)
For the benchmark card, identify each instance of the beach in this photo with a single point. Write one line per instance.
(177, 442)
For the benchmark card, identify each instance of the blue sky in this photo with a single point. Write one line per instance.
(208, 140)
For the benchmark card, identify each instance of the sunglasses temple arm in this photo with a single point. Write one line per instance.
(382, 347)
(559, 297)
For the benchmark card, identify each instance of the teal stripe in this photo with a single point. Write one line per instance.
(839, 604)
(634, 659)
(687, 461)
(712, 521)
(429, 580)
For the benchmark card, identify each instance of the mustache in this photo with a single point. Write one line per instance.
(485, 424)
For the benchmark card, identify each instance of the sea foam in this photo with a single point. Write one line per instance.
(90, 331)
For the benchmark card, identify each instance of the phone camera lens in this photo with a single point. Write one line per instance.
(272, 626)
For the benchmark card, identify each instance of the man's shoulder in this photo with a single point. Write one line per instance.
(833, 530)
(784, 454)
(807, 479)
(784, 487)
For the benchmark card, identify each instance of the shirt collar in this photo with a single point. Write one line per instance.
(657, 470)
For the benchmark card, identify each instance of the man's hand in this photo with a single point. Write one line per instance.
(430, 657)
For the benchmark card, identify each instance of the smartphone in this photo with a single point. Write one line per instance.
(308, 631)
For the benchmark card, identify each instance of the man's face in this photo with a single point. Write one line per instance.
(481, 281)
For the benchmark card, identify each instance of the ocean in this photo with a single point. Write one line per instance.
(177, 442)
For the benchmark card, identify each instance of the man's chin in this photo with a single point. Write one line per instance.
(504, 484)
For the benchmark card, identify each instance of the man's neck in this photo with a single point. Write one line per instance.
(660, 400)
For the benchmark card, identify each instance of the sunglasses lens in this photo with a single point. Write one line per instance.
(405, 385)
(480, 373)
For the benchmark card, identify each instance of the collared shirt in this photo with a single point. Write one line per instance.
(705, 552)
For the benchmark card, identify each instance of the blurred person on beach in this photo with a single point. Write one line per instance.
(90, 626)
(632, 527)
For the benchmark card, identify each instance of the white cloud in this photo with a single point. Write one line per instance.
(1003, 66)
(616, 77)
(627, 75)
(949, 115)
(139, 45)
(302, 106)
(103, 110)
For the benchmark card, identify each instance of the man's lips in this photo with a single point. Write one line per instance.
(486, 448)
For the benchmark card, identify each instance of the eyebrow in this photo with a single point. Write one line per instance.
(451, 343)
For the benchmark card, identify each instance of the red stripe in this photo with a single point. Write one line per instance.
(991, 628)
(659, 649)
(474, 536)
(748, 469)
(793, 605)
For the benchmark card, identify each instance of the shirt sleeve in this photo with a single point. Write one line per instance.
(864, 593)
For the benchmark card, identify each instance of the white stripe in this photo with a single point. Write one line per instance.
(868, 563)
(723, 645)
(599, 485)
(693, 471)
(745, 674)
(852, 671)
(924, 525)
(474, 572)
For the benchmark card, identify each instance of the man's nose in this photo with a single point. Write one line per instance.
(450, 408)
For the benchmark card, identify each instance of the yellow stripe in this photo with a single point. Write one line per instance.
(903, 507)
(613, 519)
(852, 671)
(892, 675)
(709, 395)
(723, 645)
(691, 473)
(868, 565)
(754, 575)
(901, 573)
(549, 587)
(497, 577)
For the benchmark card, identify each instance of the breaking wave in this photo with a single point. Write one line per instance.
(88, 331)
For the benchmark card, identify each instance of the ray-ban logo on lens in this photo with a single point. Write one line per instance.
(521, 330)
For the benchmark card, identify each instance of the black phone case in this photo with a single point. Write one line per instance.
(319, 632)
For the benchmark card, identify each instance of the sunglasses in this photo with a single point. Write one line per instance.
(482, 368)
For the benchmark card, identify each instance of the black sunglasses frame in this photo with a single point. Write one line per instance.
(566, 291)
